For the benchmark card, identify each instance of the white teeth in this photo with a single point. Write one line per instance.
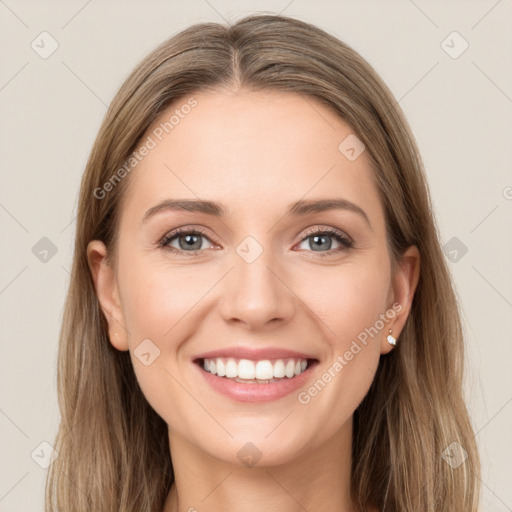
(264, 370)
(245, 369)
(289, 370)
(279, 369)
(221, 370)
(231, 368)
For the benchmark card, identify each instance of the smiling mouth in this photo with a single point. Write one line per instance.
(264, 371)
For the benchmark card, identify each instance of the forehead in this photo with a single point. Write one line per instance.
(250, 150)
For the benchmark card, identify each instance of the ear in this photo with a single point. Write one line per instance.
(108, 293)
(403, 286)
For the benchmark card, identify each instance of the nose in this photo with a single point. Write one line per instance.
(256, 294)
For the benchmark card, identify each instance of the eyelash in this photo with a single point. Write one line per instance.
(344, 240)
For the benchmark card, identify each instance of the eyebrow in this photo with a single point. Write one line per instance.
(301, 207)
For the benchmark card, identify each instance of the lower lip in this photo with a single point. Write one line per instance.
(254, 392)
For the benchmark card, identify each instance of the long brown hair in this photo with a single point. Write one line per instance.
(113, 448)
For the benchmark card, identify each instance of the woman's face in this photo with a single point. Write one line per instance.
(259, 283)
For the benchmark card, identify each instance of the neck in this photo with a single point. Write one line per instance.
(317, 479)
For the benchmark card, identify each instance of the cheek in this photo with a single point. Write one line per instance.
(351, 303)
(349, 299)
(158, 305)
(157, 298)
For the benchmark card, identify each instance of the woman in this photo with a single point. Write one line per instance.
(213, 355)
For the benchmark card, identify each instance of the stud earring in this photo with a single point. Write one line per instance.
(391, 340)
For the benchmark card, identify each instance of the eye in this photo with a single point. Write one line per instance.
(189, 241)
(319, 239)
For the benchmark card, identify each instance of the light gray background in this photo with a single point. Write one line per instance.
(459, 109)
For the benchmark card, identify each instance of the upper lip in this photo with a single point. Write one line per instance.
(255, 354)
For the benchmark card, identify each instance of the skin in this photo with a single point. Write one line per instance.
(256, 153)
